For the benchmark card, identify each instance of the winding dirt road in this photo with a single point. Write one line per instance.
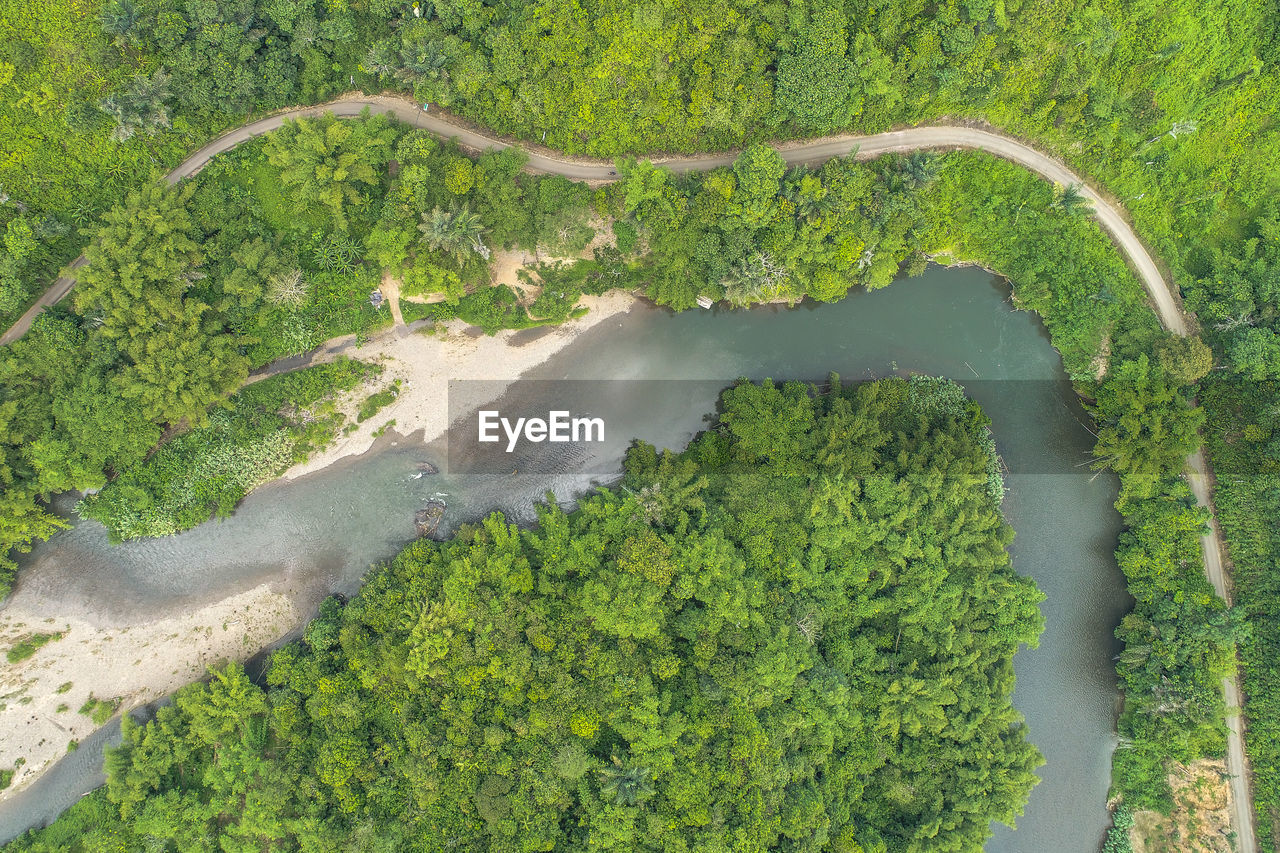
(542, 161)
(941, 137)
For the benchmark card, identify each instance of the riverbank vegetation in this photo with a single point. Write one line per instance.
(263, 430)
(28, 646)
(1167, 105)
(748, 233)
(829, 668)
(270, 251)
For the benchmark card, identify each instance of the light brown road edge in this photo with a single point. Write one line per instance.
(1108, 215)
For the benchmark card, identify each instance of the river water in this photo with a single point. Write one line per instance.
(321, 533)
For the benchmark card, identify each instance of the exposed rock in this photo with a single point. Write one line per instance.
(428, 518)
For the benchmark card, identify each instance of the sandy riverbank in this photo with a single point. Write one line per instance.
(138, 663)
(424, 364)
(43, 695)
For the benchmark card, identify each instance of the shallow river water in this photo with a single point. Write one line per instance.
(321, 533)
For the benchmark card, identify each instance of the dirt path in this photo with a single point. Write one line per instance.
(391, 293)
(542, 161)
(1237, 760)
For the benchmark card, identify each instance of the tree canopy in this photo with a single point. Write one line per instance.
(807, 650)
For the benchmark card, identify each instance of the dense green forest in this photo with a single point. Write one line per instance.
(678, 664)
(272, 250)
(746, 233)
(1167, 105)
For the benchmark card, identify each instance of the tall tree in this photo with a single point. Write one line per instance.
(816, 81)
(456, 231)
(332, 163)
(134, 290)
(142, 107)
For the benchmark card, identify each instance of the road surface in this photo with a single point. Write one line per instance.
(1237, 761)
(940, 137)
(815, 151)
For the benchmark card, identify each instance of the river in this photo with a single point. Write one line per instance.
(320, 533)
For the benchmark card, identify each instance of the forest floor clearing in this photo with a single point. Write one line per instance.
(1201, 817)
(48, 701)
(424, 364)
(505, 266)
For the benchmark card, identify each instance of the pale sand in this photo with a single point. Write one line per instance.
(424, 364)
(136, 664)
(142, 662)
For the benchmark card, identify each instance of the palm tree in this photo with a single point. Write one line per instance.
(288, 288)
(918, 169)
(754, 279)
(625, 784)
(1069, 200)
(423, 62)
(811, 199)
(118, 19)
(328, 162)
(456, 231)
(381, 58)
(140, 107)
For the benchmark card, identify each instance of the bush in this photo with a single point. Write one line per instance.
(374, 403)
(493, 309)
(27, 646)
(1118, 835)
(100, 710)
(267, 427)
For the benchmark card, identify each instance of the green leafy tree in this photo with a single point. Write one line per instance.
(142, 107)
(225, 57)
(816, 81)
(1187, 359)
(331, 163)
(754, 201)
(456, 231)
(1146, 427)
(1255, 353)
(142, 264)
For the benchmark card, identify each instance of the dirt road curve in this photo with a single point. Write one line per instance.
(814, 151)
(1109, 216)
